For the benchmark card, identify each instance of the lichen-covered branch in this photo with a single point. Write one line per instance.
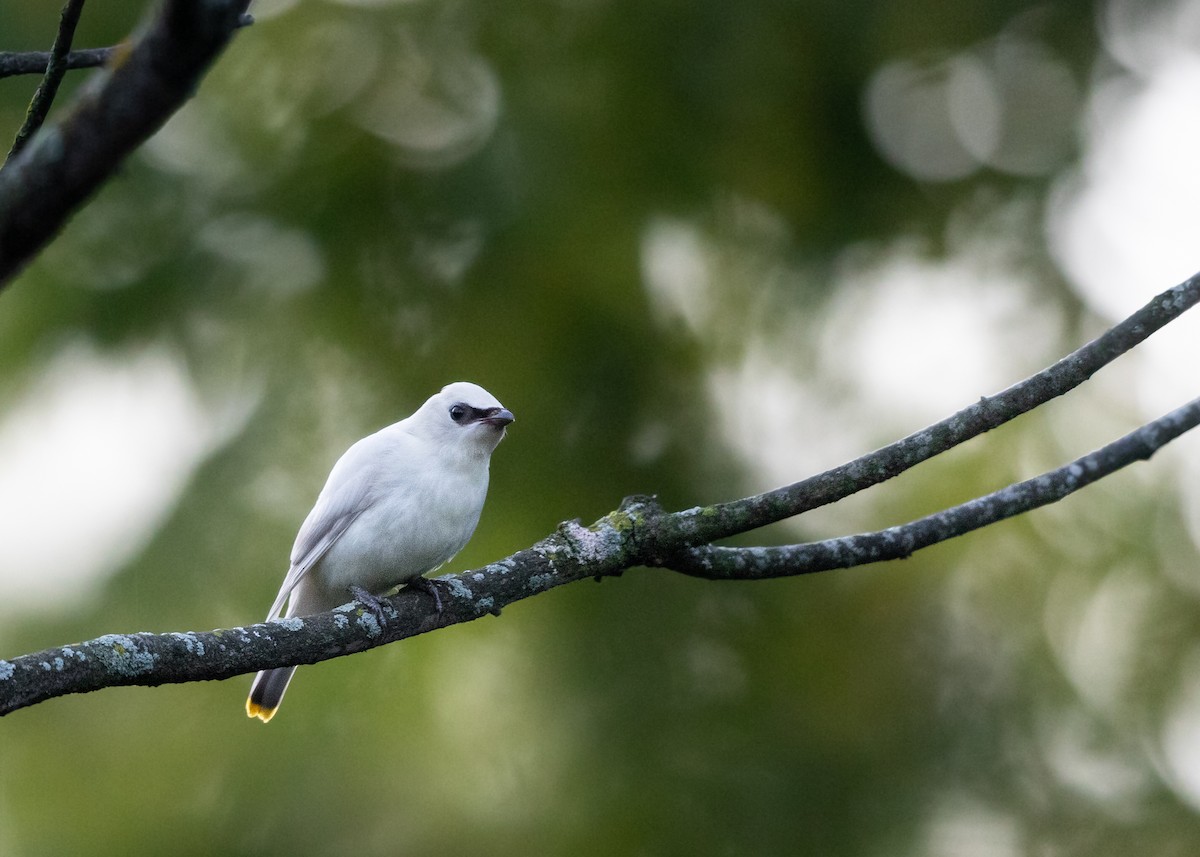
(738, 516)
(68, 160)
(572, 553)
(638, 533)
(759, 563)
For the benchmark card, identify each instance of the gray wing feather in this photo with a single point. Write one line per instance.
(345, 496)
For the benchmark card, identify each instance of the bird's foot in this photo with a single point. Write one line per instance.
(374, 604)
(429, 587)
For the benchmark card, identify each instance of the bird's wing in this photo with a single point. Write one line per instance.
(345, 496)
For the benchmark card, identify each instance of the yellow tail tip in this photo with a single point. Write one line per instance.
(253, 709)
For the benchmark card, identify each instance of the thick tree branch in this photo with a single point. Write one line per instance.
(56, 68)
(571, 553)
(66, 161)
(638, 533)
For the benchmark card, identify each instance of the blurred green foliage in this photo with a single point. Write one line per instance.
(367, 200)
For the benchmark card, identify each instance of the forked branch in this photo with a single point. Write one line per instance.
(639, 533)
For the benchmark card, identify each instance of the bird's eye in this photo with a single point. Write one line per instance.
(457, 412)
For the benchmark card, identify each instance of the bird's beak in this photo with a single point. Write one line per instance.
(499, 417)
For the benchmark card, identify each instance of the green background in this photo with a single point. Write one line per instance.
(366, 201)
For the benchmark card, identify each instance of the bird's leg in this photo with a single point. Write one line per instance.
(429, 587)
(371, 602)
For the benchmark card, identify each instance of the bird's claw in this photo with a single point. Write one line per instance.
(373, 603)
(429, 587)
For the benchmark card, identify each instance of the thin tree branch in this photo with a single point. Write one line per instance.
(56, 68)
(759, 563)
(13, 63)
(115, 112)
(708, 523)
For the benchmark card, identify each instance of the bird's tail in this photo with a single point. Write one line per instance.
(267, 692)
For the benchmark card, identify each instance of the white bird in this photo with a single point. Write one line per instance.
(397, 504)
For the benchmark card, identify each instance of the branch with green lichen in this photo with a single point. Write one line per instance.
(639, 533)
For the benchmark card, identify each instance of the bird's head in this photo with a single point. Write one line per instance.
(465, 416)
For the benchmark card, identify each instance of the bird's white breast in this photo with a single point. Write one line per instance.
(422, 508)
